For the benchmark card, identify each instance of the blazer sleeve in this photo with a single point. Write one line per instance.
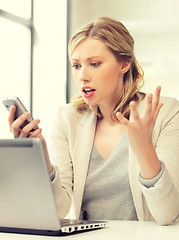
(59, 152)
(163, 198)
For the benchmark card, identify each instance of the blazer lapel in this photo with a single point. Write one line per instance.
(83, 146)
(133, 176)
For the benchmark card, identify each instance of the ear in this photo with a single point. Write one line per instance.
(125, 66)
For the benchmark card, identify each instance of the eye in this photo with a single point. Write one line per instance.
(95, 64)
(76, 66)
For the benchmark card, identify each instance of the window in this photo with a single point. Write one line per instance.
(34, 69)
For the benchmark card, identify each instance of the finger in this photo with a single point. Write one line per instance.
(157, 111)
(148, 109)
(15, 126)
(156, 99)
(35, 133)
(11, 115)
(121, 118)
(16, 132)
(26, 130)
(134, 112)
(20, 120)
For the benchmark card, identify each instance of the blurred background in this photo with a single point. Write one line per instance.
(33, 48)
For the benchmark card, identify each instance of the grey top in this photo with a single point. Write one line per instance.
(107, 193)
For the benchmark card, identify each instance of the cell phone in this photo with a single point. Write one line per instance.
(20, 109)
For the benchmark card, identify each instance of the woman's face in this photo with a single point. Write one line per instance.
(97, 72)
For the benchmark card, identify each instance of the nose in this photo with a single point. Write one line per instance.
(84, 75)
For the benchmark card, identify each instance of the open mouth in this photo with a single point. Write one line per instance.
(88, 90)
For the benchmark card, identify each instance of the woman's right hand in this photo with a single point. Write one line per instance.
(26, 132)
(16, 124)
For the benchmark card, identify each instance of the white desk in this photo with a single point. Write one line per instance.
(117, 230)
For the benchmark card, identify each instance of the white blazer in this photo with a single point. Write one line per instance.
(70, 145)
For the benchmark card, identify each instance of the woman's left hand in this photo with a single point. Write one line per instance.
(140, 133)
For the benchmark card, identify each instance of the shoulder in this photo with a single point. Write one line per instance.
(169, 110)
(69, 110)
(169, 113)
(68, 113)
(163, 99)
(170, 105)
(167, 119)
(68, 119)
(169, 101)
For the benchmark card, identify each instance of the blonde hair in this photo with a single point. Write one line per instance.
(119, 41)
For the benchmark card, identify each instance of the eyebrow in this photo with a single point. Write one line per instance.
(93, 57)
(75, 59)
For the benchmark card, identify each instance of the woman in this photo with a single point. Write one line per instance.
(114, 148)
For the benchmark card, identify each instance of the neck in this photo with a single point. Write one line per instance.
(106, 113)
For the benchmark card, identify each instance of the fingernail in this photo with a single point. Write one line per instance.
(118, 115)
(150, 96)
(132, 104)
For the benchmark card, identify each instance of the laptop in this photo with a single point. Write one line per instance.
(27, 203)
